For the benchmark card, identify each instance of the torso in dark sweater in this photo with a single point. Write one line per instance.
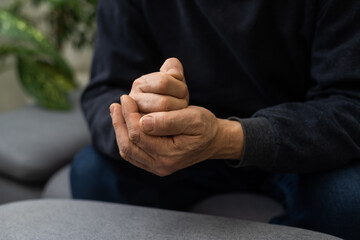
(288, 69)
(238, 56)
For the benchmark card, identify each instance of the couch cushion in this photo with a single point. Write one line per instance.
(35, 142)
(69, 219)
(11, 191)
(58, 185)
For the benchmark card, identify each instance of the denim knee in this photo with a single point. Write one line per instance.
(92, 177)
(337, 201)
(327, 202)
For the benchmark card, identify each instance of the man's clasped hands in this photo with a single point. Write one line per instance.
(158, 131)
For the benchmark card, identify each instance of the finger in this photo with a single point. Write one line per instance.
(131, 116)
(173, 67)
(140, 155)
(136, 163)
(184, 121)
(137, 137)
(116, 116)
(149, 102)
(161, 83)
(127, 149)
(131, 152)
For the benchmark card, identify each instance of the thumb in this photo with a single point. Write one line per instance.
(173, 67)
(170, 123)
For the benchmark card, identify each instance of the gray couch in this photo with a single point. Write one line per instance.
(36, 147)
(66, 219)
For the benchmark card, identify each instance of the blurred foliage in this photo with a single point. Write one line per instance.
(41, 69)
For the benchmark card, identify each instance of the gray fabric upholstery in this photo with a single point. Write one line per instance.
(69, 219)
(59, 185)
(35, 142)
(11, 191)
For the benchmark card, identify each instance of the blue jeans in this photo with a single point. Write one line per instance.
(328, 202)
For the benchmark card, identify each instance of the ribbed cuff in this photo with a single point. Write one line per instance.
(259, 143)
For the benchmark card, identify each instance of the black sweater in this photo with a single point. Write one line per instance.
(290, 70)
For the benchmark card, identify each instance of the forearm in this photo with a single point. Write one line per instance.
(315, 135)
(96, 112)
(118, 61)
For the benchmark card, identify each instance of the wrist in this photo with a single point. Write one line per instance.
(229, 140)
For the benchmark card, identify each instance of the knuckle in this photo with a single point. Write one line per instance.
(125, 149)
(174, 60)
(134, 136)
(164, 166)
(198, 121)
(134, 95)
(162, 83)
(162, 173)
(116, 126)
(165, 163)
(136, 83)
(125, 157)
(164, 104)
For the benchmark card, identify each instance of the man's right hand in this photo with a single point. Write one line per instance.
(161, 91)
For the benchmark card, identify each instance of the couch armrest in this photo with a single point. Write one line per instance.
(69, 219)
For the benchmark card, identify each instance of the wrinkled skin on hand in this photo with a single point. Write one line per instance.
(161, 91)
(178, 139)
(158, 131)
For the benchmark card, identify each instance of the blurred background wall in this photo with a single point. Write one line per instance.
(13, 96)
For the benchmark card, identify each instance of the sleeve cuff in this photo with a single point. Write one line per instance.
(259, 143)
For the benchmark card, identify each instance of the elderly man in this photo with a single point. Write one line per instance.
(274, 107)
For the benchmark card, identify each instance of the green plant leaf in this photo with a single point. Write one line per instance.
(43, 72)
(24, 35)
(45, 83)
(17, 29)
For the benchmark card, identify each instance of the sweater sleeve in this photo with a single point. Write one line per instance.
(124, 51)
(324, 131)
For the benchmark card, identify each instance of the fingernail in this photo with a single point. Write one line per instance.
(148, 123)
